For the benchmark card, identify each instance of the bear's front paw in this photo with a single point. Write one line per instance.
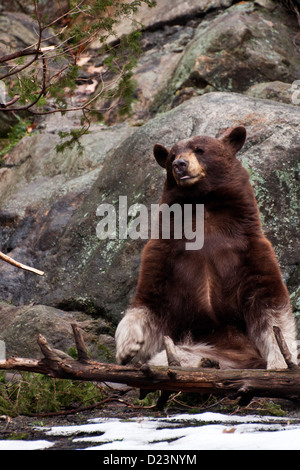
(206, 363)
(129, 340)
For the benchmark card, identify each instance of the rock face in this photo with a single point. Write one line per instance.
(232, 51)
(41, 189)
(51, 9)
(217, 49)
(49, 200)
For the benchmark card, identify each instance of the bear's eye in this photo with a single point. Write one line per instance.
(172, 158)
(199, 150)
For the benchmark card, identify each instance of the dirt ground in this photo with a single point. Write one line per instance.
(26, 427)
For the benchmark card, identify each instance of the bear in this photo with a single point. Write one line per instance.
(221, 301)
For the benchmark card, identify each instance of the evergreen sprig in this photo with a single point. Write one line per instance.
(40, 78)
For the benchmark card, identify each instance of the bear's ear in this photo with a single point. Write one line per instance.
(161, 153)
(235, 138)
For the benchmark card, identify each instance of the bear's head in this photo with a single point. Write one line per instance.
(200, 160)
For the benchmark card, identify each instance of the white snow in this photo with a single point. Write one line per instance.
(203, 431)
(25, 445)
(248, 433)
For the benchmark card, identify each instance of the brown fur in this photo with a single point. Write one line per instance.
(220, 301)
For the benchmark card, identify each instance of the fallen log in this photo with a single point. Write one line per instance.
(247, 383)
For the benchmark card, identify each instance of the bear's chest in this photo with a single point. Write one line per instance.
(206, 281)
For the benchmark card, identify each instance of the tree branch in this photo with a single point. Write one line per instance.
(171, 352)
(284, 349)
(16, 55)
(10, 260)
(36, 52)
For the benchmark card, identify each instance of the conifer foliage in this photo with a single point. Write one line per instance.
(42, 78)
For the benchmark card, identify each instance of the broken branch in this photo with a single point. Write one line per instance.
(171, 352)
(284, 349)
(10, 260)
(81, 349)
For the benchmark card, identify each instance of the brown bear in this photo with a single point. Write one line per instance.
(222, 300)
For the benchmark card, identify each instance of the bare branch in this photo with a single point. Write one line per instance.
(16, 55)
(284, 349)
(70, 47)
(9, 103)
(69, 12)
(82, 352)
(171, 352)
(37, 52)
(10, 260)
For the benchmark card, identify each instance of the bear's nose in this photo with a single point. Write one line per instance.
(180, 166)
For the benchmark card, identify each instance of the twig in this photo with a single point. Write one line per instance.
(173, 361)
(284, 349)
(69, 12)
(171, 352)
(81, 349)
(90, 407)
(17, 54)
(10, 260)
(9, 103)
(37, 51)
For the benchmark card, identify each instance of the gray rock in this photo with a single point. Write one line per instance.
(46, 174)
(2, 351)
(237, 49)
(200, 47)
(20, 327)
(161, 14)
(18, 31)
(49, 9)
(40, 190)
(277, 91)
(167, 33)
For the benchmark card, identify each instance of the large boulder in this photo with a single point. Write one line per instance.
(99, 276)
(201, 46)
(237, 48)
(107, 272)
(162, 14)
(21, 326)
(40, 189)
